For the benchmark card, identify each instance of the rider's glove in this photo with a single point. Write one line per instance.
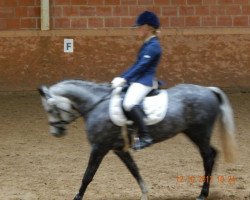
(118, 82)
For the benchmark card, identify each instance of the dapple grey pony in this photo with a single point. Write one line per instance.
(192, 110)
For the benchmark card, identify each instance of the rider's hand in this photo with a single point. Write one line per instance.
(118, 82)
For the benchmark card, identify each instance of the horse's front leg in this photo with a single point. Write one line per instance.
(96, 156)
(132, 167)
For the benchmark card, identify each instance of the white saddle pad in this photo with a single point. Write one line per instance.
(155, 108)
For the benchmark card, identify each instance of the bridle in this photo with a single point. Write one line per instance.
(60, 122)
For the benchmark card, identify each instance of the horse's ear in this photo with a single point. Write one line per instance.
(43, 91)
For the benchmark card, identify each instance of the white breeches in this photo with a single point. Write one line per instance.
(135, 94)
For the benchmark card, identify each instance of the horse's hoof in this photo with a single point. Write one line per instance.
(144, 197)
(201, 198)
(77, 197)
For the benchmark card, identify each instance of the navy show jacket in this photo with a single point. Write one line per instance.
(144, 69)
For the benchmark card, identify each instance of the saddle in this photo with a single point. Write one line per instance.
(154, 105)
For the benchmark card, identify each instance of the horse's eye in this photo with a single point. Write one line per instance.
(53, 112)
(50, 111)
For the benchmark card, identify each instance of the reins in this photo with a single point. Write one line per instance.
(104, 98)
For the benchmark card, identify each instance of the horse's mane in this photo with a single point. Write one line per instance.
(79, 86)
(88, 84)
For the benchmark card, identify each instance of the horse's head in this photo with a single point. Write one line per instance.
(60, 111)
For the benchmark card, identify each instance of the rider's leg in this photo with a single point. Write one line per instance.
(137, 115)
(133, 98)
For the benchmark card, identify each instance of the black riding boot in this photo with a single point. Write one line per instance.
(145, 140)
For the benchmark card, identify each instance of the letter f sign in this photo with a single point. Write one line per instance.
(68, 45)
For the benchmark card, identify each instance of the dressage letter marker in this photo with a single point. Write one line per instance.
(68, 45)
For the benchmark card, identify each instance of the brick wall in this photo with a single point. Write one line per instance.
(19, 14)
(28, 59)
(88, 14)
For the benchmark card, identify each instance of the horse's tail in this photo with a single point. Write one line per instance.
(227, 126)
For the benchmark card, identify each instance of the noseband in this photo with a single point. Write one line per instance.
(60, 122)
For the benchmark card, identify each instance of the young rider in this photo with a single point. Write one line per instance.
(140, 76)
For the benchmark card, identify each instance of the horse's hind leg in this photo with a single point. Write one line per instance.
(208, 155)
(132, 167)
(96, 156)
(201, 137)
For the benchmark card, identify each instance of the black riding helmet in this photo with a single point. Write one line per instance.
(148, 18)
